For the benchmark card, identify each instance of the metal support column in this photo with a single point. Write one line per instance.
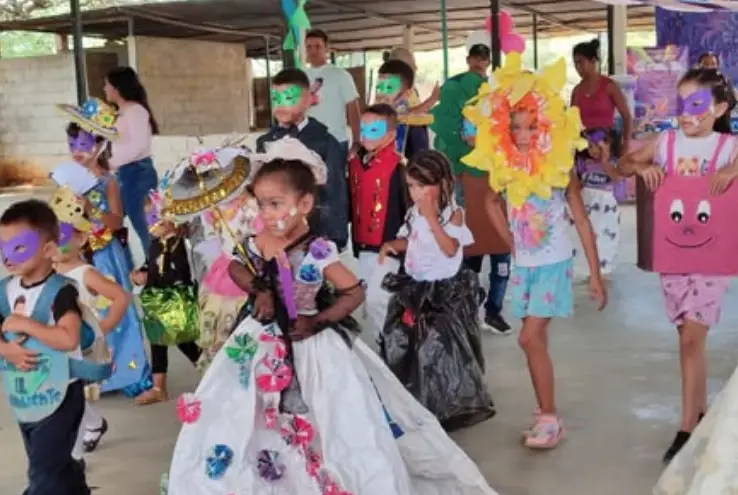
(79, 52)
(611, 39)
(444, 39)
(268, 73)
(494, 9)
(535, 41)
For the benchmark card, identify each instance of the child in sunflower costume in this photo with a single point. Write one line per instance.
(89, 134)
(526, 138)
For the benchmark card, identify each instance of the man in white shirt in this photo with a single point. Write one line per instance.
(336, 101)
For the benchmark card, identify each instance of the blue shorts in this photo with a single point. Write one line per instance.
(543, 291)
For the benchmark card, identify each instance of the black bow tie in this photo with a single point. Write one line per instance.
(281, 132)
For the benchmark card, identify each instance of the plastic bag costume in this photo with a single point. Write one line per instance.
(273, 416)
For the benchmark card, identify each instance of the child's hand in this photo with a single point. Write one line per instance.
(16, 323)
(384, 251)
(722, 179)
(22, 358)
(652, 176)
(139, 277)
(302, 328)
(598, 291)
(428, 203)
(263, 307)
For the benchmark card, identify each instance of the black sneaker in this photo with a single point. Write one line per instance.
(681, 439)
(497, 324)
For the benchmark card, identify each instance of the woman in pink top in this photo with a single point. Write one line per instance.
(598, 96)
(131, 158)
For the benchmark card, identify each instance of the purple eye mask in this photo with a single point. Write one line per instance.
(83, 143)
(21, 248)
(66, 230)
(696, 104)
(152, 217)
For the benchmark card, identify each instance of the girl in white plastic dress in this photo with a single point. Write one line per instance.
(291, 404)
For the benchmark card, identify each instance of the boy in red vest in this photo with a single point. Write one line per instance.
(378, 205)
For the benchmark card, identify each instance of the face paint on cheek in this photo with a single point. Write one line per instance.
(21, 248)
(83, 143)
(374, 131)
(282, 222)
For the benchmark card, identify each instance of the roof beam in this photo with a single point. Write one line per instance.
(549, 18)
(370, 13)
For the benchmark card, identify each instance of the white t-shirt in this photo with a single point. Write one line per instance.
(335, 89)
(692, 155)
(539, 229)
(29, 296)
(424, 260)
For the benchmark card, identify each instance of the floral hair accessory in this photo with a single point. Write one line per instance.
(289, 148)
(550, 157)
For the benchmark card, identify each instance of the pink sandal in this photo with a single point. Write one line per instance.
(546, 433)
(536, 413)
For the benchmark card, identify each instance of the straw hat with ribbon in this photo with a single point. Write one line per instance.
(95, 117)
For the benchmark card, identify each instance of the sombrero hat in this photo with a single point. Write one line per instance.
(95, 117)
(68, 209)
(204, 182)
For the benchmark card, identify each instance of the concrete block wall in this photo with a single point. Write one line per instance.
(195, 87)
(31, 129)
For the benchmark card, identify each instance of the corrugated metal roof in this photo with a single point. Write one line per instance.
(352, 25)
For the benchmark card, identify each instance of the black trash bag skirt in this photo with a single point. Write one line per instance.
(431, 341)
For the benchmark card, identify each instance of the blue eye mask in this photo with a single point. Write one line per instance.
(374, 131)
(468, 129)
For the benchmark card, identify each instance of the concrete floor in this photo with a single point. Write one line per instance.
(618, 391)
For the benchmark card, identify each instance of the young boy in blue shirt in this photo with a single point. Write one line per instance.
(38, 338)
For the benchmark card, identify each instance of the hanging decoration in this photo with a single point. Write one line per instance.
(548, 162)
(297, 24)
(510, 41)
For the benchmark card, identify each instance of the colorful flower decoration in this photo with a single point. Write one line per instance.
(189, 408)
(271, 333)
(243, 349)
(297, 431)
(99, 113)
(270, 466)
(272, 375)
(558, 131)
(203, 158)
(218, 461)
(309, 273)
(320, 249)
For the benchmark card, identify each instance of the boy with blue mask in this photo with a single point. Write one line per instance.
(40, 339)
(378, 205)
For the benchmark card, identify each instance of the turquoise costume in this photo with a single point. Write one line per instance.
(35, 395)
(131, 371)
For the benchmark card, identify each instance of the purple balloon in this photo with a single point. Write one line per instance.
(21, 248)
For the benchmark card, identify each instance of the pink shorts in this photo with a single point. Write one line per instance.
(694, 297)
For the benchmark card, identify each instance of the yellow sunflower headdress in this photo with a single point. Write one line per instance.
(557, 133)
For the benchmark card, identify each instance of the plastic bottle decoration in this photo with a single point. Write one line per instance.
(548, 162)
(270, 465)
